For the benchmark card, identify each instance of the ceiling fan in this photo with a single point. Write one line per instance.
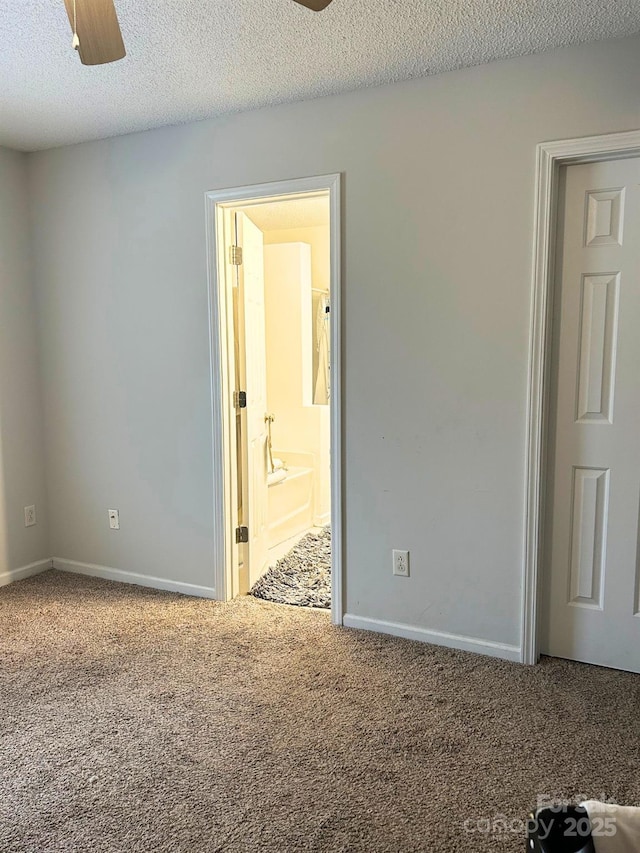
(96, 31)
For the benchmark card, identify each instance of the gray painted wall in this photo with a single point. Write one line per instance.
(22, 470)
(438, 212)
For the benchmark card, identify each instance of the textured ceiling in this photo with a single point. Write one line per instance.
(306, 212)
(191, 59)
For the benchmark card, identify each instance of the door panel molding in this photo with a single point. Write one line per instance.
(589, 516)
(550, 157)
(598, 342)
(217, 202)
(604, 217)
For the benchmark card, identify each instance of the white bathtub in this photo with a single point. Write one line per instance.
(290, 502)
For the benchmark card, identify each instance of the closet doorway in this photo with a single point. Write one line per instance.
(275, 305)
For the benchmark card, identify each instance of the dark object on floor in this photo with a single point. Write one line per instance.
(303, 576)
(560, 830)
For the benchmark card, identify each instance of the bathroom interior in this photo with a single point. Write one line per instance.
(296, 238)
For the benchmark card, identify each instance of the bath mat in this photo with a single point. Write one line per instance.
(303, 576)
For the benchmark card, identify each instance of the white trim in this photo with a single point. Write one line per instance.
(221, 388)
(106, 572)
(550, 157)
(24, 572)
(437, 638)
(222, 539)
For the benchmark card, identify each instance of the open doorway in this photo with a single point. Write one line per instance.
(274, 279)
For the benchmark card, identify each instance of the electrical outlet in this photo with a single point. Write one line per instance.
(401, 563)
(114, 519)
(29, 516)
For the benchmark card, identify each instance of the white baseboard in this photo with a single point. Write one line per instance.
(322, 520)
(438, 638)
(121, 576)
(24, 572)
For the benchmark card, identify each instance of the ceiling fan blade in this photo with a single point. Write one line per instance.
(98, 30)
(315, 5)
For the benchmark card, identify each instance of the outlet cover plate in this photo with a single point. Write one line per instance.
(29, 516)
(401, 563)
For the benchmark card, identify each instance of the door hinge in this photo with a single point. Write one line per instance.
(240, 399)
(242, 534)
(235, 255)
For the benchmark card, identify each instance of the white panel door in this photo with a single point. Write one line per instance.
(591, 607)
(253, 375)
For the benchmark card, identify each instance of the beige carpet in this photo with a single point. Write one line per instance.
(133, 720)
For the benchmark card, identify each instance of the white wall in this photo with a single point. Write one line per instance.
(317, 236)
(299, 426)
(21, 433)
(287, 291)
(438, 209)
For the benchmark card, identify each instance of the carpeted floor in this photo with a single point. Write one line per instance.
(303, 576)
(134, 721)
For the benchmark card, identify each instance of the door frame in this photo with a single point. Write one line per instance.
(223, 377)
(551, 157)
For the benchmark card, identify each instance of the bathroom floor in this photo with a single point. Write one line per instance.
(279, 551)
(300, 572)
